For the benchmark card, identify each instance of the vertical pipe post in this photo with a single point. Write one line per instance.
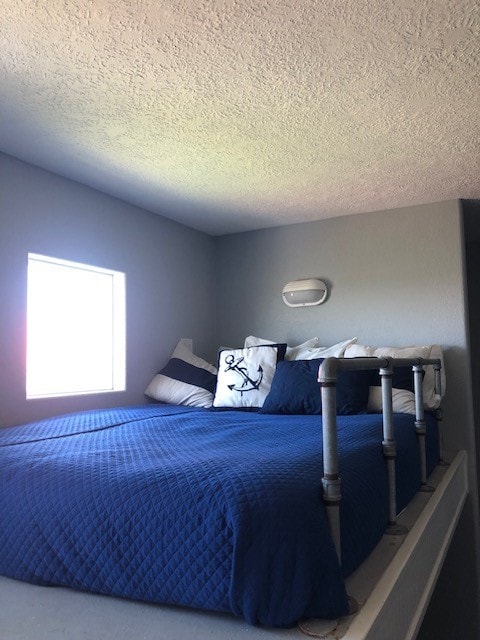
(389, 449)
(420, 425)
(331, 480)
(327, 377)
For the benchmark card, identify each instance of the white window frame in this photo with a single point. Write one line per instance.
(117, 381)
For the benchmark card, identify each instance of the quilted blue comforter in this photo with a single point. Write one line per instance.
(214, 510)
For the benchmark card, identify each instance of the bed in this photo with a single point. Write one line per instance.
(222, 510)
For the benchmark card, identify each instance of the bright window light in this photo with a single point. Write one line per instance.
(75, 328)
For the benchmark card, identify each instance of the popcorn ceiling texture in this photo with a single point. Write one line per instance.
(229, 115)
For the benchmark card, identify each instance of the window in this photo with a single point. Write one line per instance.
(75, 328)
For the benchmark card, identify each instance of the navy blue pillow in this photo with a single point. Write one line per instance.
(295, 389)
(178, 369)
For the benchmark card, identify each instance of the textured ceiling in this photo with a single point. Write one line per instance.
(230, 115)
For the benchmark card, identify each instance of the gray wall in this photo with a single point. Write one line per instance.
(169, 273)
(379, 267)
(396, 278)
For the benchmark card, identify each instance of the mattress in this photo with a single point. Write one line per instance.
(217, 510)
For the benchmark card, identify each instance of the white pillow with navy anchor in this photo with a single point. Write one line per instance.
(245, 375)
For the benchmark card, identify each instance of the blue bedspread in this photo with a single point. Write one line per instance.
(214, 510)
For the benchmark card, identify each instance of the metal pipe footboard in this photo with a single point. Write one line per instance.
(327, 377)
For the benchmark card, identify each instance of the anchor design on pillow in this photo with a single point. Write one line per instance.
(248, 383)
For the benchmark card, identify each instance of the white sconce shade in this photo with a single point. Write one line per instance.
(304, 293)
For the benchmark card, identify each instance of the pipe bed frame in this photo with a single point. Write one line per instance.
(327, 377)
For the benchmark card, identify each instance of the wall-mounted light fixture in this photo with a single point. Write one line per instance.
(304, 293)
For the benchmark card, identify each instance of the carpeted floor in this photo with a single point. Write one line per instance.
(28, 612)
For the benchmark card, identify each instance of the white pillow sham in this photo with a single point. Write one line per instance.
(403, 400)
(308, 350)
(245, 376)
(292, 353)
(186, 379)
(335, 351)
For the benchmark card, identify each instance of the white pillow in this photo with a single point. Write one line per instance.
(403, 400)
(291, 352)
(254, 341)
(335, 351)
(186, 379)
(297, 352)
(245, 376)
(308, 350)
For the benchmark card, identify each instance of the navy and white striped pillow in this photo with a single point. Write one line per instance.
(186, 379)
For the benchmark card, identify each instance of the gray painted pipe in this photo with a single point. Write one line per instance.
(420, 425)
(331, 480)
(327, 377)
(388, 443)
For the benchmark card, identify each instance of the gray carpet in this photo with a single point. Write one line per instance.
(28, 612)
